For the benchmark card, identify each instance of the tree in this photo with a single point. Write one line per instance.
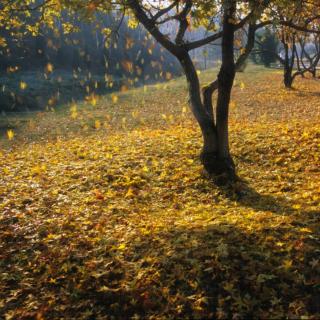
(222, 19)
(267, 46)
(309, 53)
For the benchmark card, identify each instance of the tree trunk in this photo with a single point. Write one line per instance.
(225, 83)
(288, 62)
(287, 77)
(203, 117)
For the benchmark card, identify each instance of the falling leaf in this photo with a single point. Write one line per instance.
(97, 124)
(114, 98)
(23, 85)
(49, 68)
(10, 134)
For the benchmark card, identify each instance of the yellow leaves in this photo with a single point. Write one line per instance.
(242, 85)
(242, 50)
(53, 236)
(130, 193)
(6, 171)
(10, 134)
(3, 42)
(49, 68)
(97, 124)
(122, 247)
(92, 99)
(52, 281)
(132, 23)
(114, 98)
(106, 32)
(38, 169)
(232, 104)
(287, 264)
(68, 28)
(145, 231)
(73, 111)
(134, 114)
(129, 208)
(23, 85)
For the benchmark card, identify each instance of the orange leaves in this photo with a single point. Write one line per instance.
(49, 68)
(127, 65)
(98, 194)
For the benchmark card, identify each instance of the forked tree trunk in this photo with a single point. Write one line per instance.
(203, 117)
(215, 155)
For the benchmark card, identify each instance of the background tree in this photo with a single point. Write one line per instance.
(266, 47)
(309, 53)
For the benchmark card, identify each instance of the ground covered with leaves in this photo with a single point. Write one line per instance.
(105, 211)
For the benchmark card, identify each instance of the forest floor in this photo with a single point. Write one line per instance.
(105, 211)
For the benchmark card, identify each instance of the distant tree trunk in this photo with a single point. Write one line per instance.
(288, 63)
(287, 76)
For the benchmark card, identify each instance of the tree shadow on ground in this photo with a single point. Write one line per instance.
(216, 269)
(247, 196)
(307, 93)
(222, 271)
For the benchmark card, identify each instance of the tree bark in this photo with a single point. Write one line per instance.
(225, 82)
(205, 121)
(287, 77)
(288, 64)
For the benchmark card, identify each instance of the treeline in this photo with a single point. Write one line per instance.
(298, 53)
(120, 51)
(94, 57)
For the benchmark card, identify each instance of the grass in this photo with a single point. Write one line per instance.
(107, 213)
